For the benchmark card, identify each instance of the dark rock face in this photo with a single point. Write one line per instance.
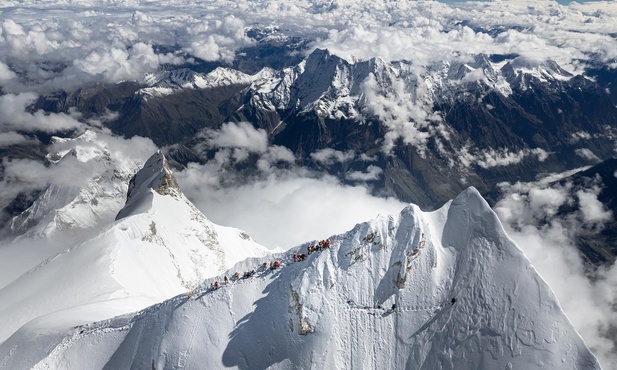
(14, 204)
(321, 103)
(598, 245)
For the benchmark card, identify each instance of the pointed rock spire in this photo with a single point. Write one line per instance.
(154, 175)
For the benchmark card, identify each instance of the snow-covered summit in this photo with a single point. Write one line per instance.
(169, 82)
(66, 209)
(160, 245)
(156, 176)
(417, 290)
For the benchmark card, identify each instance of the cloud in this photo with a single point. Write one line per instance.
(406, 116)
(11, 138)
(79, 162)
(240, 135)
(5, 73)
(328, 156)
(80, 48)
(15, 117)
(218, 40)
(489, 158)
(372, 173)
(110, 41)
(272, 198)
(284, 209)
(30, 174)
(587, 154)
(592, 209)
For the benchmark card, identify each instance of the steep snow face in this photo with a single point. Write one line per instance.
(336, 88)
(64, 210)
(169, 82)
(325, 84)
(160, 246)
(441, 290)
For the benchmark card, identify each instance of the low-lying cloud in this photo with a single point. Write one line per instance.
(529, 212)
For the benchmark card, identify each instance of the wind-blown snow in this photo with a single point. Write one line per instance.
(446, 289)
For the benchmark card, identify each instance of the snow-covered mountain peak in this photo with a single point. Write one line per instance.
(67, 210)
(421, 290)
(159, 246)
(169, 82)
(520, 70)
(156, 176)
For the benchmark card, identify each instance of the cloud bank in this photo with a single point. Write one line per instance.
(51, 45)
(529, 212)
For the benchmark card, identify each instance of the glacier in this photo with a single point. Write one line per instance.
(418, 290)
(159, 246)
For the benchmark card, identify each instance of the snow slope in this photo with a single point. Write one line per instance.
(90, 179)
(169, 82)
(159, 246)
(380, 298)
(66, 209)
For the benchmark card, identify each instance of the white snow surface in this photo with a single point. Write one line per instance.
(380, 298)
(63, 211)
(160, 246)
(169, 82)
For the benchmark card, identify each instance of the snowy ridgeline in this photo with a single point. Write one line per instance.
(440, 290)
(159, 246)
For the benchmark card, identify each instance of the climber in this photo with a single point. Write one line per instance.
(301, 257)
(265, 266)
(237, 275)
(275, 265)
(216, 284)
(295, 257)
(453, 301)
(226, 280)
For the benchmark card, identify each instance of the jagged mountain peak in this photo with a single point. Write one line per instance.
(159, 246)
(423, 290)
(155, 175)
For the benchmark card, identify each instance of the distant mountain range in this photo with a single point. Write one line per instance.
(434, 130)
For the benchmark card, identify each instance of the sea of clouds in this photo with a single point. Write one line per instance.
(47, 46)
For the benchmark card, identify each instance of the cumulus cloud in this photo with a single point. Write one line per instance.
(240, 135)
(587, 154)
(489, 158)
(99, 46)
(91, 43)
(406, 115)
(15, 117)
(372, 173)
(5, 73)
(328, 156)
(69, 172)
(277, 202)
(11, 138)
(592, 209)
(219, 40)
(529, 212)
(284, 209)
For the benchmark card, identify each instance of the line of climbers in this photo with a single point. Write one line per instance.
(273, 265)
